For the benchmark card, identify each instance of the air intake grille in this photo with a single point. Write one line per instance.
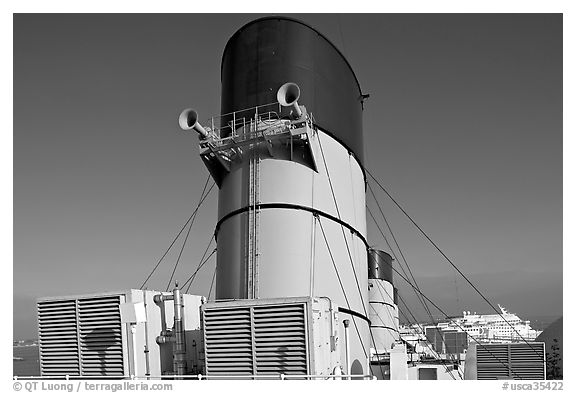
(280, 339)
(513, 361)
(100, 332)
(58, 338)
(228, 341)
(256, 339)
(80, 337)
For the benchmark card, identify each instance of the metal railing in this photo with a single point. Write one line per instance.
(201, 377)
(226, 126)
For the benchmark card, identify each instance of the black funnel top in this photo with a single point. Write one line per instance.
(379, 265)
(266, 53)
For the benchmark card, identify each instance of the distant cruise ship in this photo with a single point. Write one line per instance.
(453, 335)
(505, 327)
(494, 328)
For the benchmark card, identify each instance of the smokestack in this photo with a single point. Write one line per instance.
(286, 216)
(383, 303)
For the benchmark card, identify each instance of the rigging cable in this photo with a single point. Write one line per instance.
(395, 257)
(426, 341)
(380, 318)
(341, 226)
(346, 298)
(429, 313)
(386, 240)
(399, 249)
(457, 324)
(188, 233)
(345, 239)
(402, 267)
(171, 244)
(197, 270)
(451, 263)
(392, 318)
(202, 260)
(392, 251)
(340, 281)
(212, 284)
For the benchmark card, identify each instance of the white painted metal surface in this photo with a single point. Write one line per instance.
(383, 315)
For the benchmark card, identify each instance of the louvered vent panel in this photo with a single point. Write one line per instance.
(528, 360)
(228, 342)
(514, 361)
(57, 336)
(256, 339)
(280, 339)
(100, 332)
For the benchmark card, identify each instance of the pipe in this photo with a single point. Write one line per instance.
(195, 359)
(188, 120)
(164, 338)
(161, 298)
(347, 342)
(179, 334)
(146, 346)
(134, 349)
(332, 332)
(288, 95)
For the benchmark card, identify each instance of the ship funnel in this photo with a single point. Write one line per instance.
(188, 120)
(288, 95)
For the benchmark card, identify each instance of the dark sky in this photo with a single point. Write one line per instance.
(463, 126)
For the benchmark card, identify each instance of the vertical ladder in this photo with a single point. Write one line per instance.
(253, 217)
